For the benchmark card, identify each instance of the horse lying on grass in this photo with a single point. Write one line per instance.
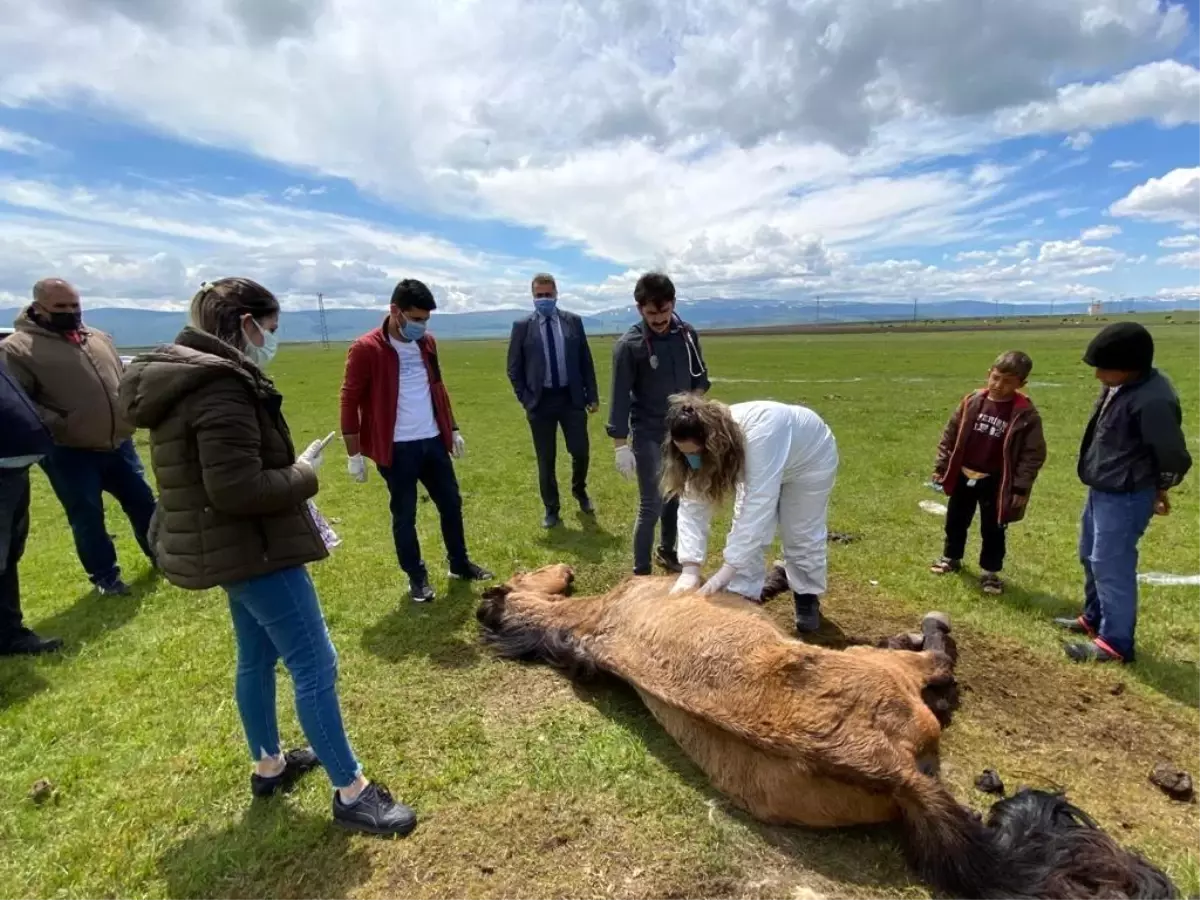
(797, 734)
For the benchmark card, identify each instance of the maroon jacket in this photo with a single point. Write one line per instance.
(370, 389)
(1024, 451)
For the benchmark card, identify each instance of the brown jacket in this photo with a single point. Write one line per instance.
(1024, 451)
(232, 499)
(73, 386)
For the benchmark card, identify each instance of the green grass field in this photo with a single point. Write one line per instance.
(527, 786)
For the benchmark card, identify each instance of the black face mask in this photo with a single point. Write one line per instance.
(64, 321)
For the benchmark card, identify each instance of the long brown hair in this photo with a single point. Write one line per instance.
(219, 305)
(691, 417)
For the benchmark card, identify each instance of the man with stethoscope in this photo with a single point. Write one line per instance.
(657, 357)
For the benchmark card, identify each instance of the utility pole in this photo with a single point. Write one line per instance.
(324, 324)
(915, 309)
(818, 298)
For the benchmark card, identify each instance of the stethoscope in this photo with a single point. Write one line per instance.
(693, 351)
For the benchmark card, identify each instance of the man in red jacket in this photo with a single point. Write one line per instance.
(395, 411)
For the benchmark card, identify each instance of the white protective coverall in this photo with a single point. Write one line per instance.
(791, 466)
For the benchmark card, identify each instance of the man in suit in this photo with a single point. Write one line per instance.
(551, 370)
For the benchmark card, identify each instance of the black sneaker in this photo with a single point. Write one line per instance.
(551, 520)
(668, 559)
(808, 612)
(586, 506)
(421, 591)
(374, 812)
(114, 588)
(29, 644)
(472, 573)
(296, 763)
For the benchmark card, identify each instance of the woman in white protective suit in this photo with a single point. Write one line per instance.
(780, 462)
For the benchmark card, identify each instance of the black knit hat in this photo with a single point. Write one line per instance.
(1123, 346)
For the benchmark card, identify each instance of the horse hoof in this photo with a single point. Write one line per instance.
(939, 617)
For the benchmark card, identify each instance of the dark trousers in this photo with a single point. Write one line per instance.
(552, 412)
(960, 511)
(427, 462)
(80, 478)
(14, 530)
(652, 509)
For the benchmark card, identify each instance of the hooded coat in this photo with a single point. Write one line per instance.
(232, 499)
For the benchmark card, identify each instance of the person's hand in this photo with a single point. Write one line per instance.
(1162, 504)
(626, 461)
(314, 453)
(937, 478)
(357, 467)
(592, 408)
(688, 581)
(718, 582)
(460, 446)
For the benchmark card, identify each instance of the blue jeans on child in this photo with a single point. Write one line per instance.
(278, 615)
(1111, 528)
(80, 478)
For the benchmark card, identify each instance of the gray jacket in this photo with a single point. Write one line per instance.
(639, 389)
(1138, 441)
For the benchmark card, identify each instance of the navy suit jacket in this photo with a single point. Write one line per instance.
(527, 361)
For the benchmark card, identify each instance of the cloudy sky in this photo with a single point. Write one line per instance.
(1007, 149)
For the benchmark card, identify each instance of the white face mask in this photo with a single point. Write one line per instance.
(262, 356)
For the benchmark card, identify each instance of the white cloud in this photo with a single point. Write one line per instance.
(1067, 211)
(20, 144)
(1191, 292)
(1180, 241)
(1099, 233)
(1188, 259)
(1166, 91)
(1124, 165)
(1175, 197)
(299, 191)
(1081, 140)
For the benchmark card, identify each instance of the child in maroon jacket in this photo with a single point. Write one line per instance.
(989, 456)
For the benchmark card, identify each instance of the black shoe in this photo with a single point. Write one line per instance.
(472, 572)
(551, 520)
(585, 504)
(374, 812)
(1090, 652)
(642, 572)
(1077, 625)
(30, 644)
(114, 588)
(808, 612)
(296, 763)
(421, 591)
(668, 559)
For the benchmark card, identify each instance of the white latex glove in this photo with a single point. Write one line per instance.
(688, 581)
(460, 446)
(626, 463)
(314, 453)
(357, 467)
(718, 582)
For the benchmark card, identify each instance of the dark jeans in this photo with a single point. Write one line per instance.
(1108, 548)
(427, 462)
(960, 512)
(79, 479)
(278, 615)
(652, 509)
(14, 530)
(552, 412)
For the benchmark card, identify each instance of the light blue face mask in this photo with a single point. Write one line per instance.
(262, 356)
(545, 307)
(413, 331)
(694, 459)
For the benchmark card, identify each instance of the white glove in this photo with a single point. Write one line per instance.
(460, 446)
(357, 467)
(314, 455)
(688, 581)
(626, 462)
(718, 582)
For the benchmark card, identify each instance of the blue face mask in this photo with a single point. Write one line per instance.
(413, 331)
(694, 459)
(263, 355)
(545, 307)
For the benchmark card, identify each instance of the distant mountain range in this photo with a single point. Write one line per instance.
(143, 328)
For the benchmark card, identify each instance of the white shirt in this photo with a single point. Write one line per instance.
(414, 405)
(783, 441)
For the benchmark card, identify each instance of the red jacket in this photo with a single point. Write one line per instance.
(370, 389)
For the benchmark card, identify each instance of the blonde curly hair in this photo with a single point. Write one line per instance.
(709, 423)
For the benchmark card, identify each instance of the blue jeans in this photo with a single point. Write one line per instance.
(1111, 528)
(79, 479)
(278, 615)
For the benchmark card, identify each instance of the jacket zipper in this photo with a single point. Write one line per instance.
(1007, 472)
(112, 412)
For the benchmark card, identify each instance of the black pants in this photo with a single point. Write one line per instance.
(555, 411)
(14, 530)
(427, 462)
(652, 508)
(984, 495)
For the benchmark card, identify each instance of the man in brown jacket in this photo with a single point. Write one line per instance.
(72, 373)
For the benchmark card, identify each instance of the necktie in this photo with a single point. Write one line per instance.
(552, 348)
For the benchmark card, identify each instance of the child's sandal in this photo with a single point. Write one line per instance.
(991, 583)
(944, 566)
